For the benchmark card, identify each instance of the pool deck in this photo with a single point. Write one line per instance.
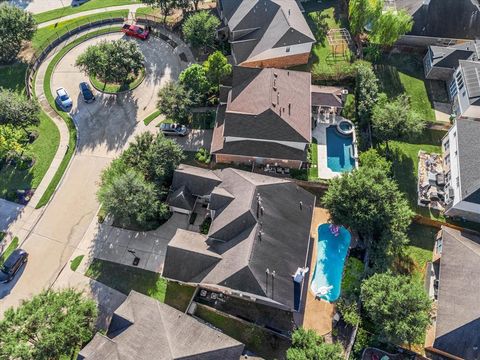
(318, 313)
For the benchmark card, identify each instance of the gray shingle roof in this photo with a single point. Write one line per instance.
(468, 135)
(449, 57)
(456, 19)
(260, 25)
(262, 106)
(181, 198)
(266, 225)
(458, 314)
(142, 328)
(471, 75)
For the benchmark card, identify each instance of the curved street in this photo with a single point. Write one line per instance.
(104, 129)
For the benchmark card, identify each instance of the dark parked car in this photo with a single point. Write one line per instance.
(13, 263)
(87, 93)
(78, 2)
(173, 129)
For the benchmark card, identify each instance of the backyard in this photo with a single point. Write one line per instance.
(43, 149)
(323, 63)
(402, 73)
(126, 278)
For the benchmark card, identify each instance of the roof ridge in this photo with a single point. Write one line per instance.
(167, 333)
(461, 239)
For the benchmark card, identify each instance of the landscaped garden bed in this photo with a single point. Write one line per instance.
(131, 83)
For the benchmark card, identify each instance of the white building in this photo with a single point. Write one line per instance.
(461, 157)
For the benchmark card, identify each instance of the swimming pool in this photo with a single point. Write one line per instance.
(339, 151)
(331, 253)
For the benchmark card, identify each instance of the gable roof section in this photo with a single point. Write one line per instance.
(471, 75)
(458, 314)
(265, 224)
(468, 133)
(197, 181)
(260, 25)
(181, 198)
(152, 330)
(449, 57)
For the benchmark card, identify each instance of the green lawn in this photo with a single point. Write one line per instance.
(255, 338)
(323, 63)
(90, 5)
(126, 278)
(43, 149)
(402, 73)
(109, 88)
(422, 241)
(75, 263)
(44, 36)
(151, 117)
(313, 170)
(178, 295)
(13, 245)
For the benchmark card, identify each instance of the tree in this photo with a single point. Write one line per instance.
(112, 61)
(155, 156)
(390, 26)
(399, 307)
(175, 101)
(366, 91)
(194, 78)
(199, 29)
(362, 14)
(12, 142)
(17, 26)
(166, 6)
(368, 200)
(195, 4)
(130, 198)
(18, 110)
(217, 68)
(321, 25)
(308, 345)
(394, 120)
(48, 326)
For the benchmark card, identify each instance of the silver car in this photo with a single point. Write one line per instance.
(173, 129)
(63, 100)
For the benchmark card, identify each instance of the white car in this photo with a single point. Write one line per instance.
(63, 100)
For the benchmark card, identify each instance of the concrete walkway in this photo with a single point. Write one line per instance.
(131, 8)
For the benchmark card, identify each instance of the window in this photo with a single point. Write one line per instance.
(452, 89)
(458, 181)
(459, 78)
(439, 245)
(447, 159)
(446, 145)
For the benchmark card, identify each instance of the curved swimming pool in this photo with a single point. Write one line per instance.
(332, 250)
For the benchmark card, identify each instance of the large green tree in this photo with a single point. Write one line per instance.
(395, 120)
(308, 345)
(199, 29)
(398, 307)
(194, 78)
(131, 199)
(112, 61)
(16, 26)
(48, 326)
(390, 26)
(217, 69)
(155, 156)
(175, 102)
(366, 92)
(368, 200)
(17, 110)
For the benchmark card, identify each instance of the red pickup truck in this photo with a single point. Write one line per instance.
(135, 31)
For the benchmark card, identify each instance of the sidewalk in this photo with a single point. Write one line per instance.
(132, 9)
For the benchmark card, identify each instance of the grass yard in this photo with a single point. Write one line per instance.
(404, 158)
(323, 63)
(352, 276)
(402, 73)
(178, 295)
(260, 341)
(43, 149)
(126, 278)
(151, 117)
(90, 5)
(13, 245)
(44, 36)
(313, 170)
(422, 241)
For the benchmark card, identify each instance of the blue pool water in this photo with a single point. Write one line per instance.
(331, 253)
(339, 151)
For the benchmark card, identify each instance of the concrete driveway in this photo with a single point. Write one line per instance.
(9, 212)
(112, 243)
(38, 6)
(104, 128)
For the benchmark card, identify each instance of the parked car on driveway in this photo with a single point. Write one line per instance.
(87, 93)
(135, 31)
(63, 100)
(13, 263)
(78, 2)
(173, 129)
